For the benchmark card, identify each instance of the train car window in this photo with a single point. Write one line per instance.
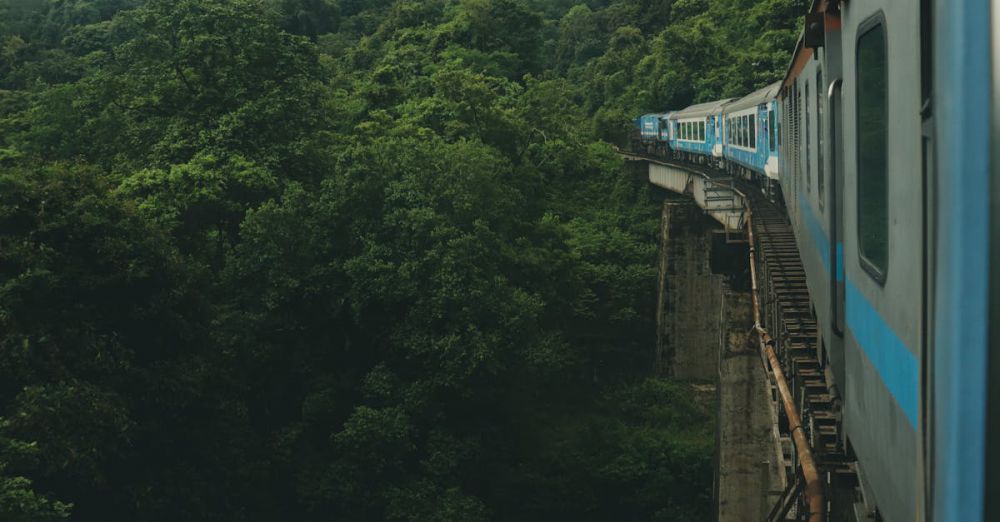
(770, 130)
(819, 136)
(873, 130)
(808, 144)
(753, 131)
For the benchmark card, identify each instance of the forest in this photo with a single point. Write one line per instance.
(351, 260)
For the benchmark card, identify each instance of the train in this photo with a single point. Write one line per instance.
(881, 144)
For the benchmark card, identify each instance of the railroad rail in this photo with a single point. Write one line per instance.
(785, 334)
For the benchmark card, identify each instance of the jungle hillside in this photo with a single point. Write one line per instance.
(354, 260)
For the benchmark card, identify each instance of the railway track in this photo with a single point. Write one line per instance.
(787, 315)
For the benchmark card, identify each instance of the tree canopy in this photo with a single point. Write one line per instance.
(338, 259)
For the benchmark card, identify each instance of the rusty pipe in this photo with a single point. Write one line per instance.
(814, 487)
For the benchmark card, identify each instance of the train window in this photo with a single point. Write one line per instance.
(704, 129)
(808, 144)
(753, 131)
(819, 135)
(770, 130)
(746, 131)
(873, 130)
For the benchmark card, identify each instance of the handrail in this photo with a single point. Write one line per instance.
(814, 487)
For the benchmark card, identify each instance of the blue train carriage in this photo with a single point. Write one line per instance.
(649, 133)
(750, 137)
(696, 132)
(889, 170)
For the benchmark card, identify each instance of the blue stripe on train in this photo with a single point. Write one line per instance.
(892, 359)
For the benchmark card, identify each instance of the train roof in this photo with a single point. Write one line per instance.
(701, 110)
(755, 98)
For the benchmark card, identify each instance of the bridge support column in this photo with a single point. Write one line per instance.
(690, 294)
(704, 313)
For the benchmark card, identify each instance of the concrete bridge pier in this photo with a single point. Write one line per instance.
(703, 317)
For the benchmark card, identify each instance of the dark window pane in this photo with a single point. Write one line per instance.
(820, 91)
(770, 130)
(808, 145)
(873, 115)
(753, 131)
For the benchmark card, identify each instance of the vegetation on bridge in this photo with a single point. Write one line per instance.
(346, 259)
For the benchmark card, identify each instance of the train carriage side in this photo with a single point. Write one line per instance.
(694, 131)
(884, 251)
(750, 136)
(855, 215)
(649, 132)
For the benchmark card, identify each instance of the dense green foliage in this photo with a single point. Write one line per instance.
(346, 259)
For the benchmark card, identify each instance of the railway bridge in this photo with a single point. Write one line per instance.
(806, 473)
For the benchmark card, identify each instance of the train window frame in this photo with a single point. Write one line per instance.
(752, 125)
(808, 140)
(871, 266)
(820, 179)
(770, 129)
